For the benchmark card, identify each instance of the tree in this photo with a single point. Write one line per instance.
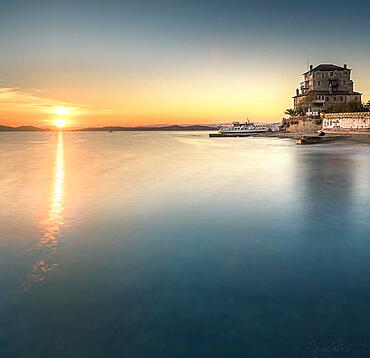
(290, 112)
(305, 104)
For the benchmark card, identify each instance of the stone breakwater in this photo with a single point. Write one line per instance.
(303, 124)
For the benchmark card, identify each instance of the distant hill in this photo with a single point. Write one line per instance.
(117, 128)
(163, 128)
(21, 129)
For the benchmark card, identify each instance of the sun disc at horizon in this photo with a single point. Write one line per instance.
(60, 123)
(61, 116)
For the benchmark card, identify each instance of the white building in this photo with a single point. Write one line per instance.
(359, 121)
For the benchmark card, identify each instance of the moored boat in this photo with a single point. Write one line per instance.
(237, 129)
(304, 139)
(315, 139)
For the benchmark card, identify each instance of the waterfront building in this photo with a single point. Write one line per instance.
(347, 121)
(325, 86)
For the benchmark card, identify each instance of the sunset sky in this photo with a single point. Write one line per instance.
(141, 62)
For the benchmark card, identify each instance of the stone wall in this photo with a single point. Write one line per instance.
(303, 125)
(347, 121)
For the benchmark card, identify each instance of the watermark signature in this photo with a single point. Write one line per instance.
(314, 348)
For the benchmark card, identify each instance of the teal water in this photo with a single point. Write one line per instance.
(177, 245)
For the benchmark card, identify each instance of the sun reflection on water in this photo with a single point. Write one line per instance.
(51, 227)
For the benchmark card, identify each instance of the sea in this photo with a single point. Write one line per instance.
(174, 244)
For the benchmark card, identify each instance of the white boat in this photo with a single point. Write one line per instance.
(237, 128)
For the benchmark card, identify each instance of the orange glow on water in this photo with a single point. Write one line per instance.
(51, 227)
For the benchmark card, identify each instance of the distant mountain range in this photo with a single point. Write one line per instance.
(162, 128)
(21, 129)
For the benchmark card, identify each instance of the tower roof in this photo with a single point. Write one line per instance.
(327, 67)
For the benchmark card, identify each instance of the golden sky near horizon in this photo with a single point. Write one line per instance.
(203, 97)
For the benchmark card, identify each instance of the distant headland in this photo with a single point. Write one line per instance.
(113, 128)
(22, 129)
(152, 128)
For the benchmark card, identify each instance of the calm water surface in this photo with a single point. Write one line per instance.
(177, 245)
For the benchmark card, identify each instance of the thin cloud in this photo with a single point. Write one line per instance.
(17, 100)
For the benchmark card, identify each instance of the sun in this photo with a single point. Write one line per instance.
(61, 116)
(59, 123)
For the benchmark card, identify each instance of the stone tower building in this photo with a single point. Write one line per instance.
(325, 86)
